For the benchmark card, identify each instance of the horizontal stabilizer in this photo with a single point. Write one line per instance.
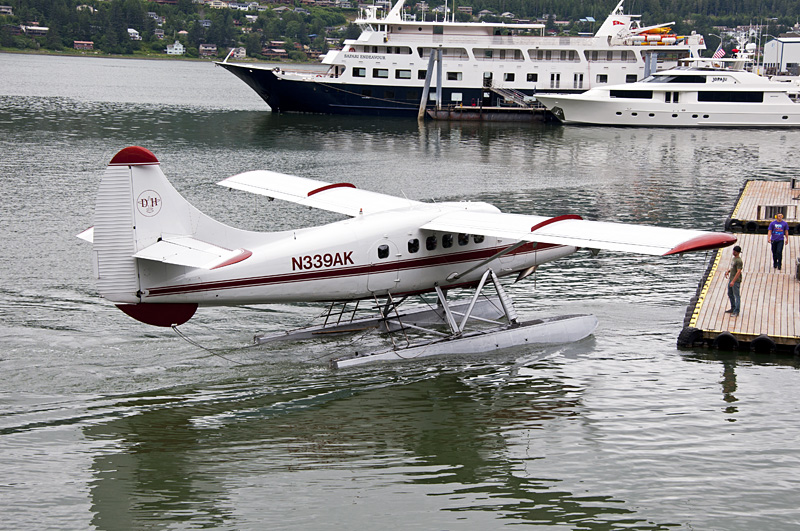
(189, 252)
(343, 198)
(87, 235)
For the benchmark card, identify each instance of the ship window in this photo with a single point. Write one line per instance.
(487, 54)
(457, 97)
(639, 94)
(380, 72)
(431, 243)
(421, 74)
(609, 55)
(667, 97)
(402, 74)
(675, 97)
(413, 245)
(532, 78)
(508, 76)
(732, 97)
(602, 78)
(539, 54)
(478, 238)
(447, 241)
(594, 55)
(463, 239)
(454, 76)
(630, 78)
(359, 72)
(383, 251)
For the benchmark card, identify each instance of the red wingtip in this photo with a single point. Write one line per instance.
(133, 155)
(712, 240)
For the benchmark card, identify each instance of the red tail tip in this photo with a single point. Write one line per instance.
(134, 155)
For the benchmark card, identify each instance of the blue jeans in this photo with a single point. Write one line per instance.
(733, 295)
(777, 253)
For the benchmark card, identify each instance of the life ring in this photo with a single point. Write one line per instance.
(351, 49)
(751, 226)
(725, 341)
(763, 344)
(689, 337)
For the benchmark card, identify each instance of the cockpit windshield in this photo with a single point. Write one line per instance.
(671, 78)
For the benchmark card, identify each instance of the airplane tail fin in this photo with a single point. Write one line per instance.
(136, 208)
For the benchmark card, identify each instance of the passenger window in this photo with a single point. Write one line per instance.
(463, 239)
(431, 243)
(478, 238)
(383, 251)
(447, 241)
(413, 245)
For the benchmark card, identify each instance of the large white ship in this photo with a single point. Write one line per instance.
(383, 72)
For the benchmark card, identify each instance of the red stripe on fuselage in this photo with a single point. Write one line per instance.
(416, 263)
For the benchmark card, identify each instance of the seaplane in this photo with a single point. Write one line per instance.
(158, 259)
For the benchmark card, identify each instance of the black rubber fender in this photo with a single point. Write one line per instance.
(690, 337)
(763, 344)
(725, 341)
(751, 226)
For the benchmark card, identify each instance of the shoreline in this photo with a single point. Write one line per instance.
(154, 57)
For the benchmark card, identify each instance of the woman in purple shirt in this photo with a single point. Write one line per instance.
(776, 235)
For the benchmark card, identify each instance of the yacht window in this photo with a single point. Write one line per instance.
(602, 78)
(413, 245)
(402, 74)
(733, 97)
(532, 78)
(668, 97)
(457, 97)
(675, 97)
(478, 238)
(421, 74)
(383, 251)
(447, 241)
(664, 78)
(380, 72)
(630, 78)
(431, 243)
(640, 94)
(359, 72)
(463, 239)
(454, 76)
(508, 76)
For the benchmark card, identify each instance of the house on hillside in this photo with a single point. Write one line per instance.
(176, 49)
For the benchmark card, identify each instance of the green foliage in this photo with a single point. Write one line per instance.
(106, 22)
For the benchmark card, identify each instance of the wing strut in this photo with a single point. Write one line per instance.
(455, 276)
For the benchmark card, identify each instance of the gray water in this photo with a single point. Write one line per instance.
(106, 423)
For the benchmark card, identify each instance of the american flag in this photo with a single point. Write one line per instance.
(719, 53)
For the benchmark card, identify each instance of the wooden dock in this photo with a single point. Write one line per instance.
(760, 201)
(770, 299)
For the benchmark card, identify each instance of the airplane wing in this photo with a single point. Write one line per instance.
(186, 251)
(343, 198)
(574, 231)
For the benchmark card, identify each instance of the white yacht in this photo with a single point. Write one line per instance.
(383, 71)
(704, 93)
